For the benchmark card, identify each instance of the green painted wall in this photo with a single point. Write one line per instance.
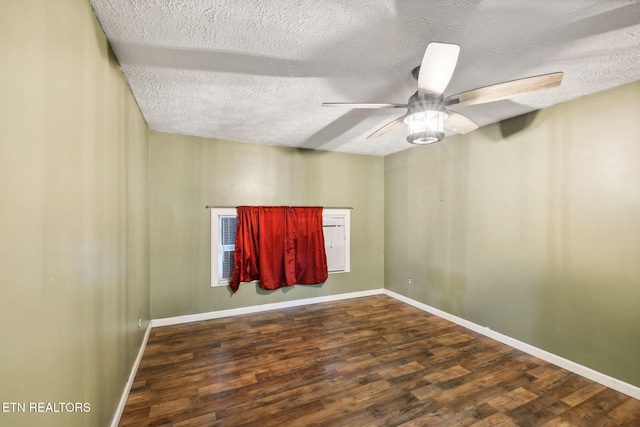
(535, 235)
(74, 274)
(189, 173)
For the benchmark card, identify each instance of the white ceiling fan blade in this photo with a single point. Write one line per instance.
(437, 67)
(459, 123)
(362, 105)
(386, 128)
(505, 90)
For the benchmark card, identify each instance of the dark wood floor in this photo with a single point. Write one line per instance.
(362, 362)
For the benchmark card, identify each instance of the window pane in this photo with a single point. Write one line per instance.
(226, 246)
(227, 265)
(228, 230)
(334, 242)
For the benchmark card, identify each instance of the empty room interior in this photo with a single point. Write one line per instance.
(493, 261)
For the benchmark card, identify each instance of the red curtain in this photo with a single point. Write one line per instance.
(245, 259)
(279, 246)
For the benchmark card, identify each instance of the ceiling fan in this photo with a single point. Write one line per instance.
(428, 111)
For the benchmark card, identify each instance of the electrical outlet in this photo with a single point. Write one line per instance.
(409, 281)
(139, 323)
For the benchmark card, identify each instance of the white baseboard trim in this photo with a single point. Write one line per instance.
(134, 370)
(621, 386)
(257, 308)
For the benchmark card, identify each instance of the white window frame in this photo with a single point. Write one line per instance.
(345, 215)
(217, 213)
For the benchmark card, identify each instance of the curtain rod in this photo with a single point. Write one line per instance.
(230, 207)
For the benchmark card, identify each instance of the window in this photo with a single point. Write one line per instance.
(336, 227)
(223, 239)
(335, 224)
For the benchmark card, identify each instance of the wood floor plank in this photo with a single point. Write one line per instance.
(583, 394)
(369, 361)
(627, 412)
(495, 420)
(513, 399)
(206, 420)
(447, 374)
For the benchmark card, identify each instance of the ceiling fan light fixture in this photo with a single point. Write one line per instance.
(427, 107)
(425, 127)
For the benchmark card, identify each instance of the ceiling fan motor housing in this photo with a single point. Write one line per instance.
(425, 117)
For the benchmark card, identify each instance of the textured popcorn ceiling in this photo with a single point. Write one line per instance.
(258, 70)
